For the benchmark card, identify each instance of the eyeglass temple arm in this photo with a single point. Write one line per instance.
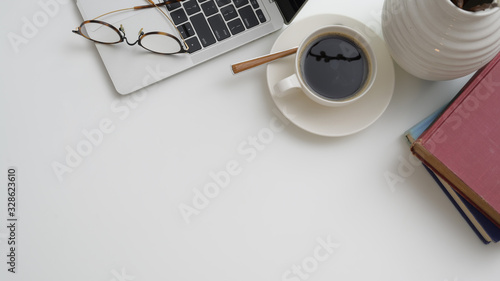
(169, 19)
(156, 5)
(152, 5)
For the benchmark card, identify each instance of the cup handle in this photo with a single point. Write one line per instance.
(282, 88)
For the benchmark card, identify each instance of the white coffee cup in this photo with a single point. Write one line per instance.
(334, 66)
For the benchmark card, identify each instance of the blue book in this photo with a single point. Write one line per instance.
(485, 229)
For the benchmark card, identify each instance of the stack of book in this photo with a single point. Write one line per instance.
(460, 147)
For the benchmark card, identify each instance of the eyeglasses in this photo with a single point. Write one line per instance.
(156, 41)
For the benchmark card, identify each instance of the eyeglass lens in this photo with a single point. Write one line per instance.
(100, 33)
(160, 43)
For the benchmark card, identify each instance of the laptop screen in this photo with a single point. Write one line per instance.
(290, 8)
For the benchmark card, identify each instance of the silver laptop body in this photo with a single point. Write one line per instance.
(132, 68)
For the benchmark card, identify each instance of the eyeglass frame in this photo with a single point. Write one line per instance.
(121, 31)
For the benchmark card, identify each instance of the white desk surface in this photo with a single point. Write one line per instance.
(115, 215)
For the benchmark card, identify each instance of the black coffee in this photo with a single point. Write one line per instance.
(335, 67)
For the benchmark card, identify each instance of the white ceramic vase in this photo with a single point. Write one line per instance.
(436, 40)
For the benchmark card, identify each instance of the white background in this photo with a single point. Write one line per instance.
(116, 215)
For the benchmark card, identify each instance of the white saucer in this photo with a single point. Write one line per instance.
(319, 119)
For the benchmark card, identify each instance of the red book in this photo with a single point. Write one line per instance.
(463, 144)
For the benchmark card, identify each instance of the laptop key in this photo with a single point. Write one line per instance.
(173, 6)
(194, 44)
(186, 30)
(240, 3)
(178, 16)
(219, 27)
(228, 12)
(255, 4)
(191, 7)
(202, 30)
(248, 17)
(236, 26)
(209, 8)
(260, 16)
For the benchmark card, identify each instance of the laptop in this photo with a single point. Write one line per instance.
(210, 27)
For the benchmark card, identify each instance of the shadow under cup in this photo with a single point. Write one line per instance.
(335, 65)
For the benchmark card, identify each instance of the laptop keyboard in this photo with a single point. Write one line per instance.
(203, 23)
